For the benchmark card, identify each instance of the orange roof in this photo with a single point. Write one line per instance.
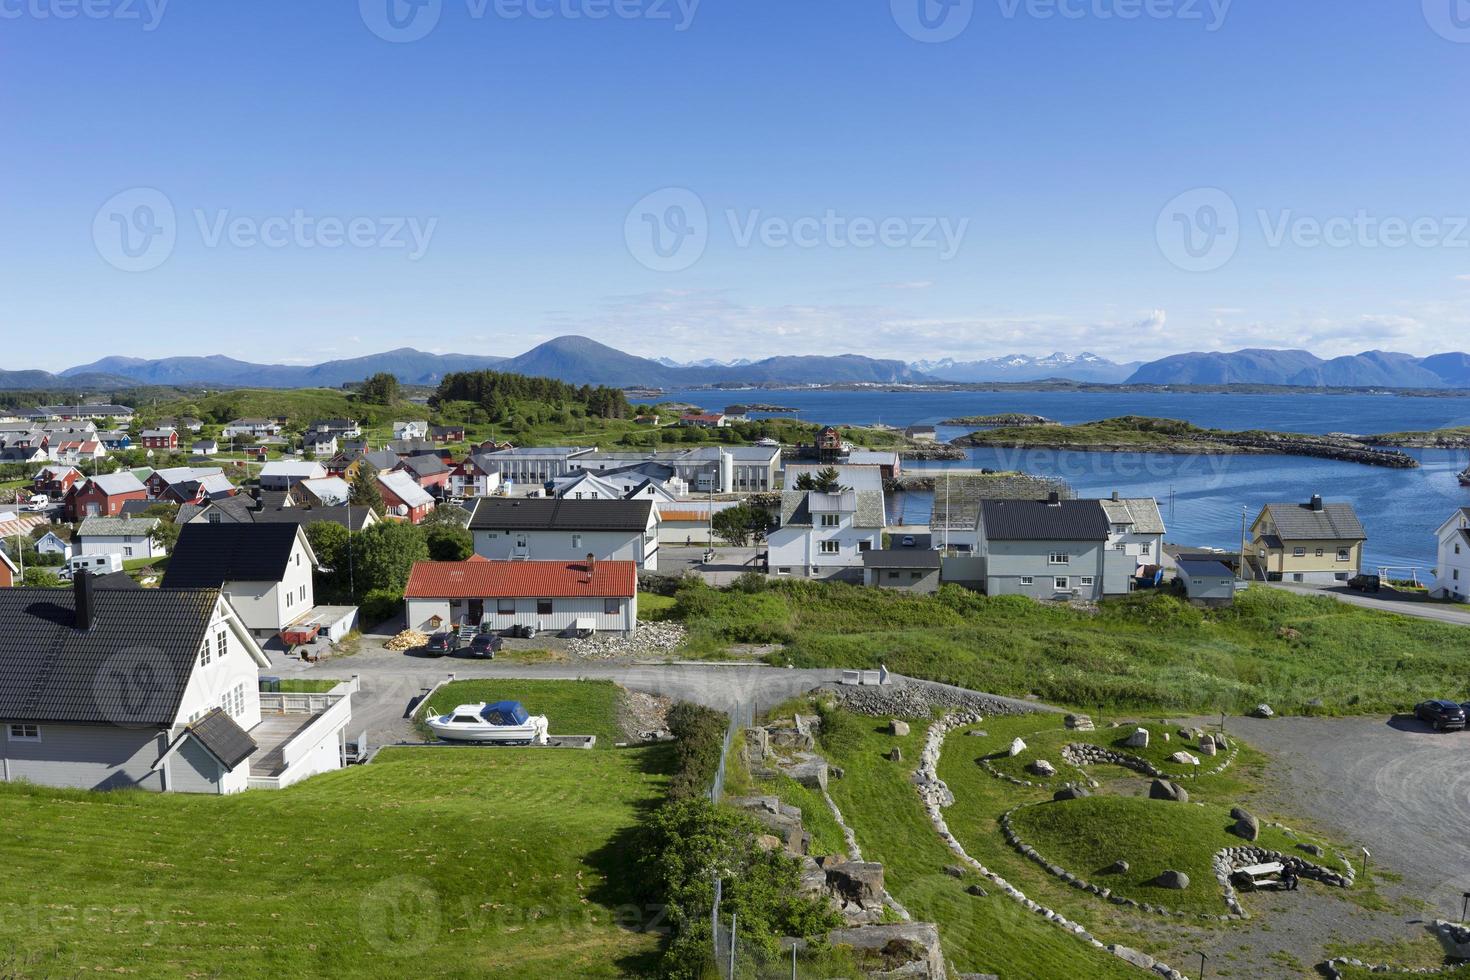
(480, 578)
(689, 516)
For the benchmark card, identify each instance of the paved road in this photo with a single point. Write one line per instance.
(1392, 602)
(1390, 785)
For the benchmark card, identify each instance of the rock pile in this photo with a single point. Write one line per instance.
(783, 820)
(918, 699)
(650, 640)
(1080, 723)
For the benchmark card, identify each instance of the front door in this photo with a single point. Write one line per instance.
(477, 611)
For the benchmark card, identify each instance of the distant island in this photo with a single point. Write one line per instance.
(1133, 433)
(1008, 420)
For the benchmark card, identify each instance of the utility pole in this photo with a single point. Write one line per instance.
(1243, 514)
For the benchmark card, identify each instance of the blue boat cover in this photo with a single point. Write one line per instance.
(505, 713)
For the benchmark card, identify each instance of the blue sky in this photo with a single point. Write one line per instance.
(478, 189)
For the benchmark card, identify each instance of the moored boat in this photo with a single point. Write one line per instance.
(1465, 477)
(504, 723)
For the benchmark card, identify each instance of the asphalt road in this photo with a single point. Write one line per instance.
(1391, 602)
(1388, 784)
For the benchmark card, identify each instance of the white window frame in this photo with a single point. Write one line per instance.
(1088, 581)
(1028, 580)
(1062, 583)
(1344, 554)
(1299, 552)
(1059, 558)
(23, 731)
(831, 520)
(830, 548)
(205, 653)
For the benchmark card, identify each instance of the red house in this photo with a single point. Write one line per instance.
(103, 496)
(428, 472)
(55, 481)
(9, 574)
(160, 439)
(404, 498)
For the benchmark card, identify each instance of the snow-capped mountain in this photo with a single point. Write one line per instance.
(1023, 367)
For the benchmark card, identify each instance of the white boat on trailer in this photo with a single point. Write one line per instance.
(501, 723)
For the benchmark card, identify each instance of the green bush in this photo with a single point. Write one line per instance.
(379, 606)
(700, 742)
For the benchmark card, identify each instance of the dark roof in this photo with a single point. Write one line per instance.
(1202, 568)
(225, 740)
(208, 555)
(901, 558)
(352, 518)
(382, 459)
(422, 466)
(52, 672)
(1300, 522)
(1041, 520)
(558, 513)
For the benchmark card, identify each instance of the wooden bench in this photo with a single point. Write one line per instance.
(1261, 875)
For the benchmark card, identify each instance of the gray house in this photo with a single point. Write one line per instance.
(1211, 583)
(905, 569)
(1050, 549)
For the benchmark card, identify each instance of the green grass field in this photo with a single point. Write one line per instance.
(426, 862)
(1048, 745)
(1147, 652)
(571, 707)
(301, 685)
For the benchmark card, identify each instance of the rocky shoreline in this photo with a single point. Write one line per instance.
(1262, 444)
(1008, 420)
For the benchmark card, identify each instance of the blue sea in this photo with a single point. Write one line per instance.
(1202, 497)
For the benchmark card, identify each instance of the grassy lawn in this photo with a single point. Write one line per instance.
(1085, 836)
(300, 685)
(1047, 744)
(1147, 652)
(654, 608)
(992, 934)
(572, 707)
(441, 863)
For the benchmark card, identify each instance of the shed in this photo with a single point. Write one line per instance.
(1210, 582)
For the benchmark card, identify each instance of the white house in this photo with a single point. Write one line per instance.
(558, 529)
(475, 476)
(1452, 573)
(285, 474)
(413, 429)
(265, 570)
(181, 713)
(823, 535)
(1136, 528)
(255, 428)
(550, 595)
(126, 537)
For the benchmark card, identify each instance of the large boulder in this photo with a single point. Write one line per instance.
(1184, 758)
(1138, 740)
(1165, 789)
(1081, 723)
(1175, 880)
(903, 949)
(896, 727)
(1118, 867)
(1071, 792)
(895, 754)
(1129, 955)
(858, 883)
(1042, 768)
(1262, 711)
(1246, 825)
(1017, 747)
(783, 820)
(757, 745)
(1207, 745)
(809, 770)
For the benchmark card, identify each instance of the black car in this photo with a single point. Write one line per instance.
(1365, 583)
(442, 644)
(486, 645)
(1443, 716)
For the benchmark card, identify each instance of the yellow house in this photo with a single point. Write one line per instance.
(1314, 543)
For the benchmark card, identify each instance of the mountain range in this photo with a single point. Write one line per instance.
(1299, 368)
(583, 361)
(1021, 367)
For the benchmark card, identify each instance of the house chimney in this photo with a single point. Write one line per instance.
(1115, 495)
(83, 599)
(1317, 502)
(591, 564)
(1054, 499)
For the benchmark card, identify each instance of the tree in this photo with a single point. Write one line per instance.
(365, 492)
(333, 545)
(449, 542)
(825, 480)
(739, 524)
(384, 554)
(41, 578)
(165, 533)
(380, 389)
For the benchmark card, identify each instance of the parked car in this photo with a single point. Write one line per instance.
(442, 644)
(1443, 716)
(907, 541)
(486, 645)
(1365, 583)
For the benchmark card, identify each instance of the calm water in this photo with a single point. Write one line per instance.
(1201, 497)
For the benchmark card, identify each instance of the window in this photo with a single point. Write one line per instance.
(576, 541)
(1299, 552)
(1027, 580)
(915, 576)
(1122, 546)
(1319, 552)
(831, 520)
(1343, 554)
(1059, 558)
(893, 576)
(1061, 583)
(864, 546)
(1148, 548)
(303, 593)
(127, 551)
(1457, 575)
(1087, 581)
(25, 733)
(831, 547)
(505, 607)
(204, 654)
(784, 571)
(543, 607)
(219, 645)
(612, 607)
(213, 517)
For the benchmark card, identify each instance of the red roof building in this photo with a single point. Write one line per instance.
(549, 595)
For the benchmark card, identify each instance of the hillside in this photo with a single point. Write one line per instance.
(408, 365)
(1299, 368)
(1021, 367)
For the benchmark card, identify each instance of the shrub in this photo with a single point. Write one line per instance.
(700, 742)
(380, 605)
